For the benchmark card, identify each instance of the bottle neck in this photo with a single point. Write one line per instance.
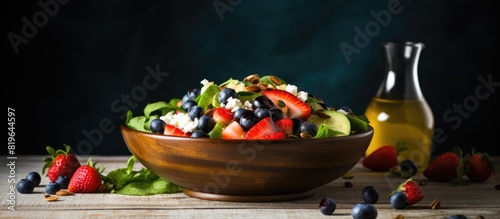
(401, 73)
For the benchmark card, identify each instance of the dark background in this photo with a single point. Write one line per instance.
(71, 74)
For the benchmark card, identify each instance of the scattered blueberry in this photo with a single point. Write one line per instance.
(157, 126)
(188, 104)
(457, 216)
(206, 124)
(370, 194)
(34, 177)
(248, 120)
(25, 186)
(262, 102)
(199, 134)
(309, 127)
(364, 211)
(399, 200)
(195, 112)
(52, 188)
(261, 113)
(63, 181)
(408, 168)
(225, 94)
(327, 206)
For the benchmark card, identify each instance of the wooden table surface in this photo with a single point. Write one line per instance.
(470, 200)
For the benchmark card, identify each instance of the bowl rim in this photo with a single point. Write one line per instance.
(124, 127)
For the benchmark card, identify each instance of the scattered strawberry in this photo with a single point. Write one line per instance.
(233, 131)
(60, 163)
(478, 166)
(173, 130)
(384, 158)
(223, 115)
(412, 190)
(445, 167)
(285, 125)
(292, 106)
(263, 128)
(87, 179)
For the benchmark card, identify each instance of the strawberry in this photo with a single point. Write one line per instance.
(60, 163)
(275, 136)
(263, 128)
(233, 131)
(291, 106)
(86, 179)
(285, 125)
(384, 158)
(223, 115)
(445, 167)
(173, 130)
(412, 190)
(478, 166)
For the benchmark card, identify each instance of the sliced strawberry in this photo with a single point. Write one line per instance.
(275, 136)
(173, 130)
(264, 127)
(233, 131)
(292, 106)
(285, 125)
(223, 115)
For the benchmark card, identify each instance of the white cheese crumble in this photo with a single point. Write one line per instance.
(205, 84)
(302, 95)
(291, 89)
(232, 104)
(342, 111)
(181, 120)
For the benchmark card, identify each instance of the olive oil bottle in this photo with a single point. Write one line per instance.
(399, 111)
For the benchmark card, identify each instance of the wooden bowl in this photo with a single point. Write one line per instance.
(244, 170)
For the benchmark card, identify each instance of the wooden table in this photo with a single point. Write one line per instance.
(471, 200)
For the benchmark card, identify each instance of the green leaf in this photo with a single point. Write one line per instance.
(325, 132)
(148, 187)
(161, 106)
(247, 96)
(216, 131)
(137, 123)
(205, 99)
(231, 80)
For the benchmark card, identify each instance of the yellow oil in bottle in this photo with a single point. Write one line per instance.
(407, 121)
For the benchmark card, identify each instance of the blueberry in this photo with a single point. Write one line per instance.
(276, 114)
(206, 124)
(457, 216)
(237, 114)
(191, 95)
(261, 113)
(296, 125)
(199, 134)
(399, 200)
(408, 168)
(157, 126)
(327, 206)
(225, 94)
(34, 177)
(52, 188)
(25, 186)
(248, 120)
(370, 194)
(188, 105)
(309, 127)
(195, 112)
(364, 211)
(63, 181)
(262, 102)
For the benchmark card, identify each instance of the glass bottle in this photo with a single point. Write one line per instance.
(399, 111)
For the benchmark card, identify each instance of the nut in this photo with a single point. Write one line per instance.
(253, 88)
(399, 217)
(347, 176)
(63, 193)
(275, 80)
(435, 204)
(321, 114)
(305, 135)
(262, 86)
(254, 79)
(51, 198)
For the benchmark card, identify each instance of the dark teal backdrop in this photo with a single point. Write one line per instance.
(75, 67)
